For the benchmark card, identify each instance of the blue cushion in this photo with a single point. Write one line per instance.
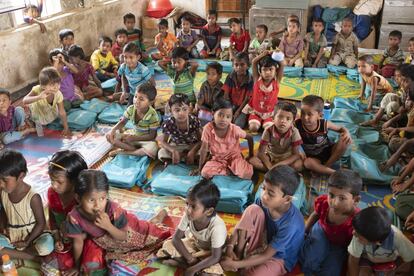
(353, 75)
(78, 120)
(94, 105)
(292, 72)
(112, 113)
(349, 103)
(337, 70)
(315, 73)
(109, 84)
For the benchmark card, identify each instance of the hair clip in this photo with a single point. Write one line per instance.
(57, 165)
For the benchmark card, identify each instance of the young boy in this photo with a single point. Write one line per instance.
(211, 34)
(146, 122)
(239, 38)
(280, 143)
(315, 44)
(121, 39)
(165, 42)
(320, 152)
(393, 55)
(345, 46)
(103, 61)
(377, 242)
(198, 242)
(329, 227)
(267, 239)
(31, 14)
(133, 34)
(67, 39)
(260, 43)
(188, 38)
(410, 57)
(377, 85)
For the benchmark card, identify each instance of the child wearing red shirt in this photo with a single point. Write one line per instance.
(329, 227)
(239, 38)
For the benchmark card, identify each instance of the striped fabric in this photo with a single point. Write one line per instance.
(183, 82)
(151, 120)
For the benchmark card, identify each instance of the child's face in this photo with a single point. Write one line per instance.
(141, 101)
(235, 28)
(121, 39)
(195, 210)
(4, 103)
(272, 196)
(9, 184)
(293, 28)
(131, 59)
(411, 47)
(268, 73)
(317, 27)
(408, 103)
(180, 112)
(283, 121)
(260, 34)
(75, 60)
(179, 64)
(186, 25)
(397, 77)
(33, 12)
(94, 203)
(341, 201)
(68, 41)
(223, 117)
(240, 67)
(163, 29)
(212, 76)
(364, 68)
(129, 23)
(309, 116)
(105, 47)
(393, 41)
(52, 87)
(346, 27)
(405, 82)
(211, 19)
(60, 183)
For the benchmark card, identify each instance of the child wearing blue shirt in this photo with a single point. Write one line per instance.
(270, 233)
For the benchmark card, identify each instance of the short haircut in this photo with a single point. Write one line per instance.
(215, 66)
(180, 52)
(222, 104)
(267, 62)
(314, 101)
(12, 163)
(90, 180)
(129, 16)
(179, 99)
(293, 16)
(318, 20)
(372, 223)
(69, 162)
(367, 58)
(288, 107)
(76, 51)
(121, 31)
(411, 39)
(29, 7)
(185, 18)
(262, 26)
(163, 22)
(295, 21)
(242, 56)
(212, 12)
(104, 39)
(148, 89)
(396, 34)
(410, 92)
(132, 48)
(401, 67)
(64, 33)
(5, 92)
(348, 19)
(346, 179)
(49, 75)
(206, 192)
(55, 52)
(408, 72)
(234, 20)
(284, 177)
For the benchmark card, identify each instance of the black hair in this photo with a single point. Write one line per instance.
(55, 52)
(163, 22)
(408, 72)
(243, 56)
(132, 48)
(367, 58)
(411, 39)
(267, 62)
(180, 52)
(396, 34)
(206, 192)
(315, 101)
(68, 161)
(288, 107)
(76, 51)
(12, 163)
(148, 89)
(295, 21)
(212, 12)
(121, 31)
(372, 223)
(49, 75)
(179, 98)
(284, 177)
(346, 179)
(216, 66)
(185, 18)
(234, 20)
(222, 104)
(64, 33)
(5, 92)
(411, 91)
(263, 26)
(104, 38)
(348, 19)
(318, 20)
(129, 16)
(401, 66)
(89, 180)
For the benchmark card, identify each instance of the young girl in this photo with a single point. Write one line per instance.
(188, 38)
(292, 45)
(46, 101)
(85, 72)
(265, 91)
(181, 133)
(221, 139)
(101, 229)
(182, 73)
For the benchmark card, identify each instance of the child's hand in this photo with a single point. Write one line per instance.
(291, 62)
(128, 138)
(192, 261)
(123, 98)
(346, 137)
(190, 157)
(175, 157)
(71, 272)
(59, 246)
(409, 222)
(61, 58)
(110, 137)
(103, 221)
(42, 27)
(228, 265)
(66, 132)
(20, 244)
(45, 94)
(399, 187)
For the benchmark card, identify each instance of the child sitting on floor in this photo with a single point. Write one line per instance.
(23, 208)
(239, 38)
(268, 237)
(146, 121)
(316, 43)
(320, 152)
(211, 34)
(280, 143)
(103, 61)
(132, 72)
(199, 239)
(67, 39)
(188, 38)
(329, 227)
(292, 44)
(260, 108)
(46, 101)
(260, 43)
(238, 87)
(220, 138)
(181, 133)
(165, 42)
(182, 72)
(210, 92)
(12, 120)
(377, 242)
(393, 55)
(121, 39)
(85, 73)
(345, 46)
(410, 57)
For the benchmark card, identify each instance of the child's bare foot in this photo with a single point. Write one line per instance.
(175, 262)
(28, 131)
(115, 152)
(159, 218)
